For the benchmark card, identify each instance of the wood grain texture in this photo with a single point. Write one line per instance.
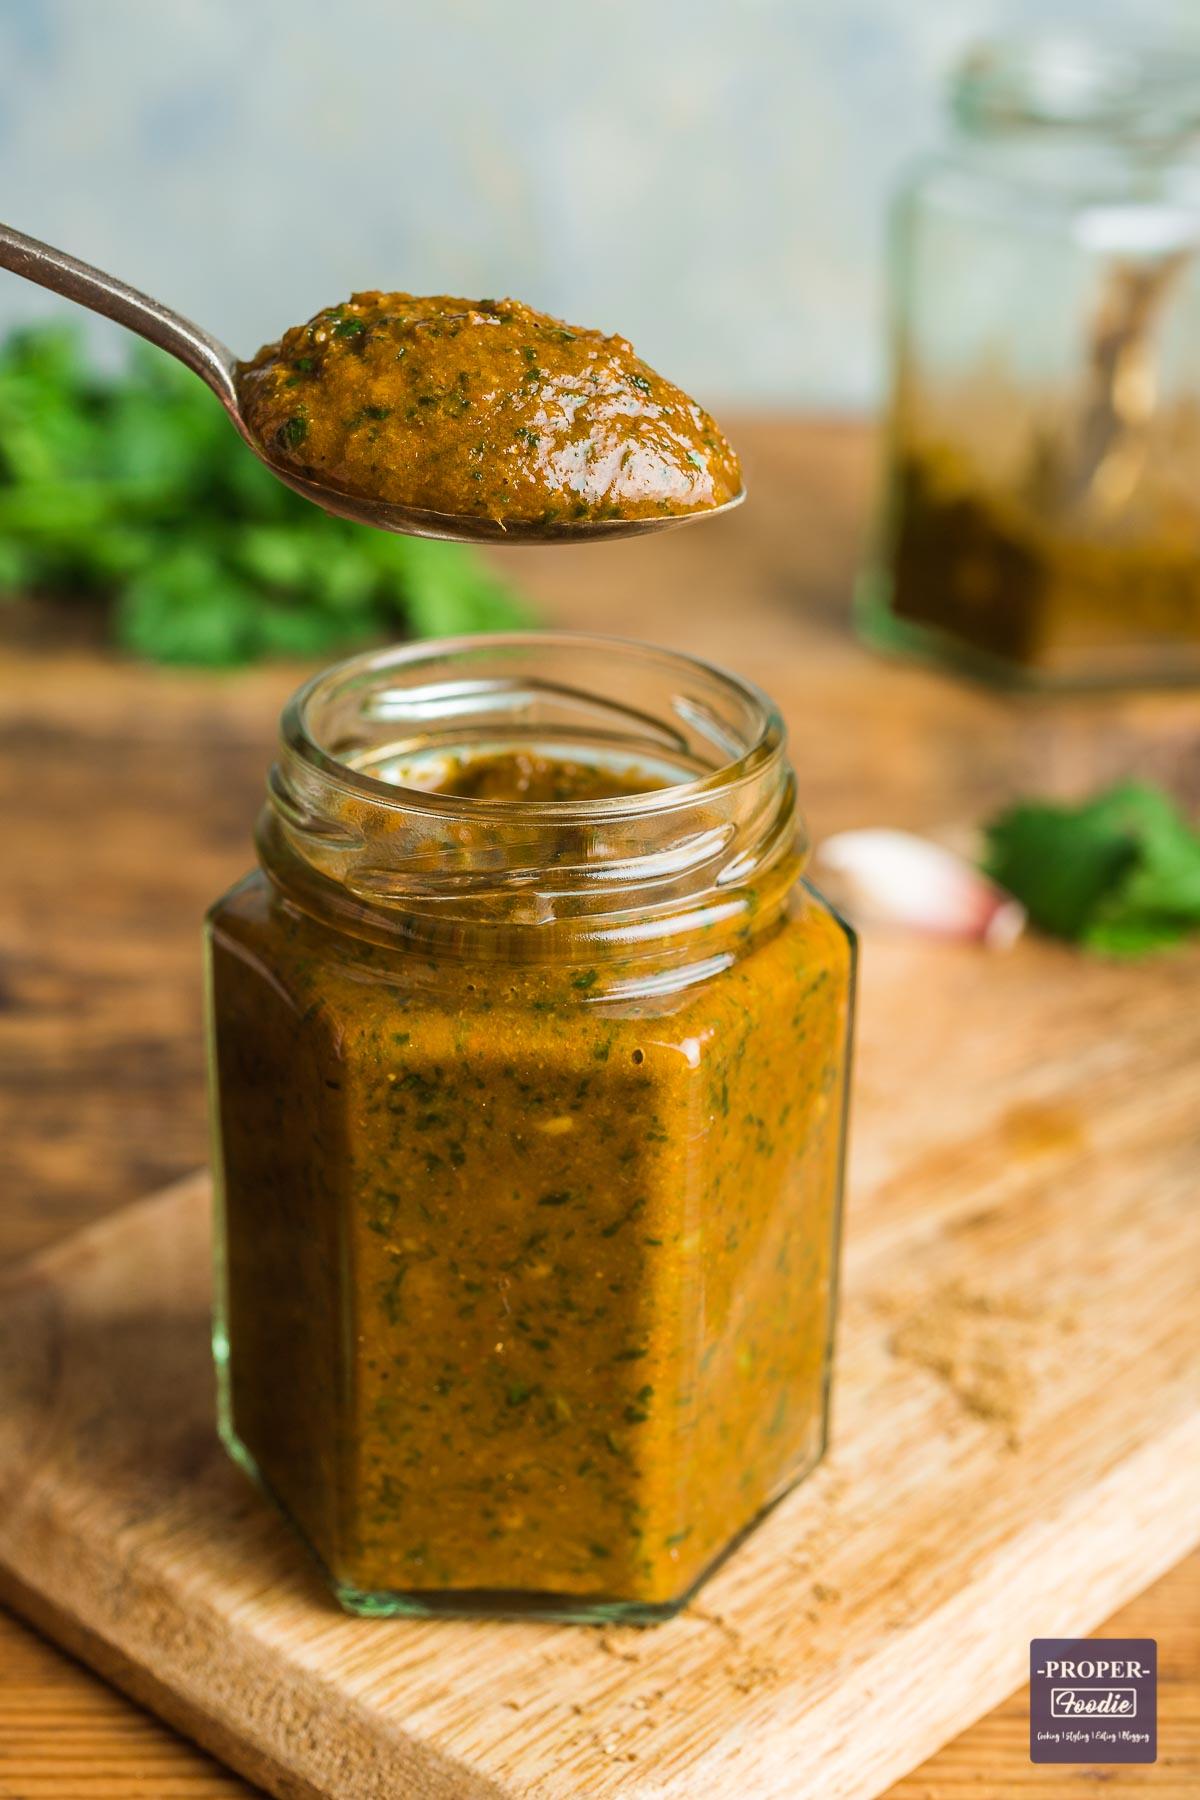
(65, 1735)
(127, 795)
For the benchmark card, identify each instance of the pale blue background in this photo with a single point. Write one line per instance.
(707, 176)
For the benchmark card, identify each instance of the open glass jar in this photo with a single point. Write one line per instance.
(1042, 513)
(530, 1119)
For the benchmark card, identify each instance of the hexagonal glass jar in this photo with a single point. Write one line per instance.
(529, 1133)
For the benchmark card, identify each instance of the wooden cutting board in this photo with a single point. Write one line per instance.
(1015, 1450)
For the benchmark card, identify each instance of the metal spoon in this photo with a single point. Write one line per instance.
(217, 365)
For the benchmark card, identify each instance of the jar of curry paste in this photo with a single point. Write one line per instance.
(1041, 515)
(529, 1051)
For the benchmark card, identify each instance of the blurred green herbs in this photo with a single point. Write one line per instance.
(132, 489)
(1119, 874)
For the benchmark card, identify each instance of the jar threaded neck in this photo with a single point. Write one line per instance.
(346, 822)
(1145, 96)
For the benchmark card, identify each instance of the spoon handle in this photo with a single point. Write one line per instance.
(54, 269)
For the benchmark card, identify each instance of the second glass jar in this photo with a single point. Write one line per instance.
(530, 1121)
(1041, 519)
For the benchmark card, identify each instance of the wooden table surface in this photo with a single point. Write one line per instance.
(127, 796)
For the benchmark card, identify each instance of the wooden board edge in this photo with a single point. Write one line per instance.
(1142, 1504)
(107, 1660)
(1144, 1497)
(45, 1261)
(438, 1776)
(998, 1670)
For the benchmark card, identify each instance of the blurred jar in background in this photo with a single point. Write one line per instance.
(1041, 518)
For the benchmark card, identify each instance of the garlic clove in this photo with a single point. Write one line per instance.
(882, 877)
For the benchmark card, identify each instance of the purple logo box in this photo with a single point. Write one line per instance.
(1093, 1700)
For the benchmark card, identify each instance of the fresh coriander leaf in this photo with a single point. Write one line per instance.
(188, 609)
(1158, 901)
(447, 593)
(1132, 937)
(292, 432)
(132, 488)
(1059, 861)
(1120, 873)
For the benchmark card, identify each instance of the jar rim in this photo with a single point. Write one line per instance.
(717, 848)
(1136, 90)
(301, 735)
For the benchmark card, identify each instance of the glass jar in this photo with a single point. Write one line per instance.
(1042, 511)
(529, 1132)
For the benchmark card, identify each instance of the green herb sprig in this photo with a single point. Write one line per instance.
(130, 489)
(1119, 874)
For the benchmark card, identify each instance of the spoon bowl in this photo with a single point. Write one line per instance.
(216, 365)
(419, 521)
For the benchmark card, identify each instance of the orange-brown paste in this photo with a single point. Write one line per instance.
(528, 1284)
(485, 408)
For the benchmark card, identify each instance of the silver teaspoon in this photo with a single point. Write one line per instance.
(216, 364)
